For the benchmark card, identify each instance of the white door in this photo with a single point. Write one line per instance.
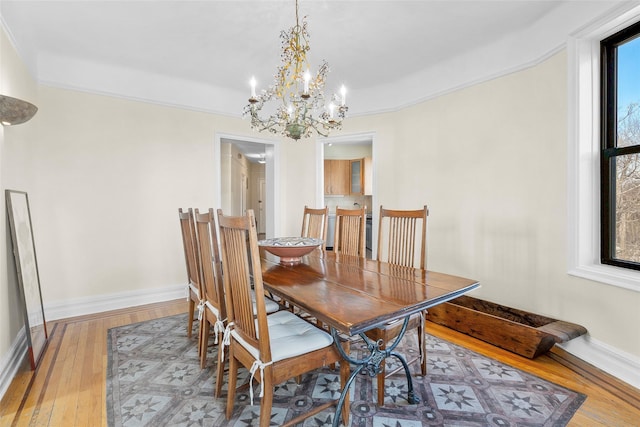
(262, 193)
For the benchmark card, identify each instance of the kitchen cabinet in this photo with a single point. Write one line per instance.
(368, 176)
(357, 167)
(337, 177)
(361, 176)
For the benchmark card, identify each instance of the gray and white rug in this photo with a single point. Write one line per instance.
(154, 379)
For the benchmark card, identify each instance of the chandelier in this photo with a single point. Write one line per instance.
(299, 105)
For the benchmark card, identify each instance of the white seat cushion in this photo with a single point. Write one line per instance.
(289, 336)
(270, 305)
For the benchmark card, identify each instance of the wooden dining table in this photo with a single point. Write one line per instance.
(352, 295)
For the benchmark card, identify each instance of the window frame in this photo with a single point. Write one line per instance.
(583, 155)
(609, 149)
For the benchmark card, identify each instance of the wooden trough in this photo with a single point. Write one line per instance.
(518, 331)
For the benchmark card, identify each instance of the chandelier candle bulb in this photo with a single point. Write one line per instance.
(343, 92)
(307, 79)
(252, 82)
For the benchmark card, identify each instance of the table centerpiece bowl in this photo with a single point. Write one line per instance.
(290, 249)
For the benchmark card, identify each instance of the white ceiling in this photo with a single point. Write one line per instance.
(201, 54)
(223, 42)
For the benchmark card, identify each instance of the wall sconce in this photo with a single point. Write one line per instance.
(15, 111)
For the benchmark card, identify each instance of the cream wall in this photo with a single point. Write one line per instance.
(111, 174)
(299, 172)
(491, 163)
(346, 151)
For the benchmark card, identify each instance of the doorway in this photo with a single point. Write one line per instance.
(358, 150)
(248, 179)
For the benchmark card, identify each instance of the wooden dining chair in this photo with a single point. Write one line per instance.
(350, 232)
(214, 312)
(315, 223)
(287, 346)
(400, 233)
(194, 287)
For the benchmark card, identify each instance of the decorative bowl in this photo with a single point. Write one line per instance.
(290, 249)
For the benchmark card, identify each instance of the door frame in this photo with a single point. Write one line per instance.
(272, 173)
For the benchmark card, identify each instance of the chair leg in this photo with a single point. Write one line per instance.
(381, 376)
(204, 340)
(380, 379)
(219, 368)
(267, 399)
(324, 327)
(192, 309)
(233, 377)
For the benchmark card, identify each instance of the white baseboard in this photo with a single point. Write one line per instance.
(12, 360)
(98, 304)
(613, 361)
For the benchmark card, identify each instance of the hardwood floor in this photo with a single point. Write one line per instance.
(69, 387)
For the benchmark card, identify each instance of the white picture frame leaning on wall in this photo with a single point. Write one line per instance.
(24, 254)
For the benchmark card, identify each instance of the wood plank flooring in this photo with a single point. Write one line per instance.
(69, 387)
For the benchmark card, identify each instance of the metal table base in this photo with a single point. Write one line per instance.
(370, 365)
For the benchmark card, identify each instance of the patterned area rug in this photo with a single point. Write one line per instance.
(154, 379)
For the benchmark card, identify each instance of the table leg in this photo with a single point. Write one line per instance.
(412, 398)
(371, 365)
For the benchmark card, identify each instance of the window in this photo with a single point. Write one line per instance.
(620, 154)
(584, 257)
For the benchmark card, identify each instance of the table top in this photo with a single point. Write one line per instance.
(355, 294)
